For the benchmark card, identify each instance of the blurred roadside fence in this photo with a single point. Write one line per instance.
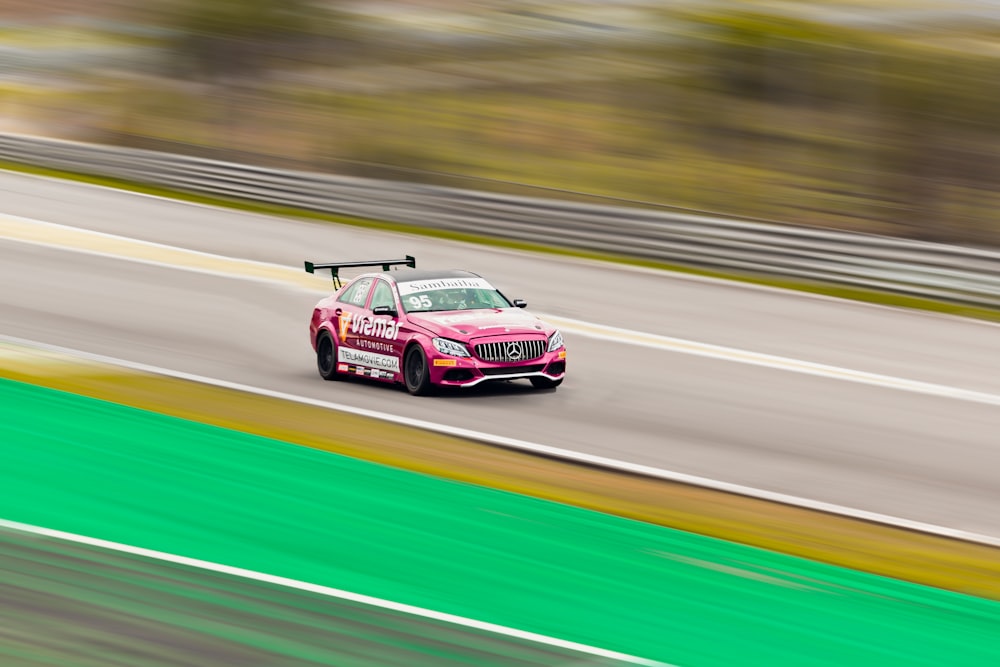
(931, 270)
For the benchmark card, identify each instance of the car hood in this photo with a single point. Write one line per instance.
(468, 324)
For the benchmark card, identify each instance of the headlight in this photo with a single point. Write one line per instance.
(452, 347)
(555, 341)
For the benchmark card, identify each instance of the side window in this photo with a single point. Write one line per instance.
(357, 293)
(382, 295)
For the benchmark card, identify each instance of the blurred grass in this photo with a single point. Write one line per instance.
(61, 37)
(855, 294)
(578, 146)
(749, 109)
(935, 561)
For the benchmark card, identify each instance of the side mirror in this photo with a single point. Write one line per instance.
(384, 310)
(520, 303)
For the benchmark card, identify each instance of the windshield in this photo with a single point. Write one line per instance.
(453, 299)
(458, 293)
(465, 298)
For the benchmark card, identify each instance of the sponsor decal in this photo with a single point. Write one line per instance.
(455, 319)
(342, 368)
(376, 345)
(445, 362)
(343, 322)
(360, 324)
(368, 359)
(443, 283)
(369, 372)
(562, 354)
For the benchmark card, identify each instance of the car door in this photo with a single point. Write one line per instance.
(379, 333)
(368, 341)
(351, 314)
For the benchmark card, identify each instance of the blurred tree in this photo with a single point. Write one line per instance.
(940, 137)
(222, 40)
(234, 45)
(924, 117)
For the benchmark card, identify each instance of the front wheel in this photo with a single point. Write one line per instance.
(415, 372)
(545, 383)
(326, 357)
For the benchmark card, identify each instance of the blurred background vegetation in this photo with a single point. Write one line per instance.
(879, 117)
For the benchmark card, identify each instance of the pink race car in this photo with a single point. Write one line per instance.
(428, 329)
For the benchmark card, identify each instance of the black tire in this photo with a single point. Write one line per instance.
(416, 375)
(326, 357)
(545, 383)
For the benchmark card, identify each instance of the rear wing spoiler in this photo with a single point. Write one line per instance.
(336, 266)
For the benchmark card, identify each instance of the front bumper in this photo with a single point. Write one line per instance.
(450, 371)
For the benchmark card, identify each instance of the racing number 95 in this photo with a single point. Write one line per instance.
(422, 301)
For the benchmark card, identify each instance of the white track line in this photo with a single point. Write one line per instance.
(329, 592)
(656, 341)
(534, 448)
(102, 244)
(113, 246)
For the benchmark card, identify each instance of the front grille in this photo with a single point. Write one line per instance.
(510, 370)
(511, 350)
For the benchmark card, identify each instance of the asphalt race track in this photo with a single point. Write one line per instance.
(910, 454)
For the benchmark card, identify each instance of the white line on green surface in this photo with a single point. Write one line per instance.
(329, 592)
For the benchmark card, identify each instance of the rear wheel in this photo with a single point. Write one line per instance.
(415, 372)
(326, 357)
(545, 383)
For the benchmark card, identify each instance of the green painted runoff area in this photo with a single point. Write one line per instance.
(116, 473)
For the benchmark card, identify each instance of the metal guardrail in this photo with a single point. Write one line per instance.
(931, 270)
